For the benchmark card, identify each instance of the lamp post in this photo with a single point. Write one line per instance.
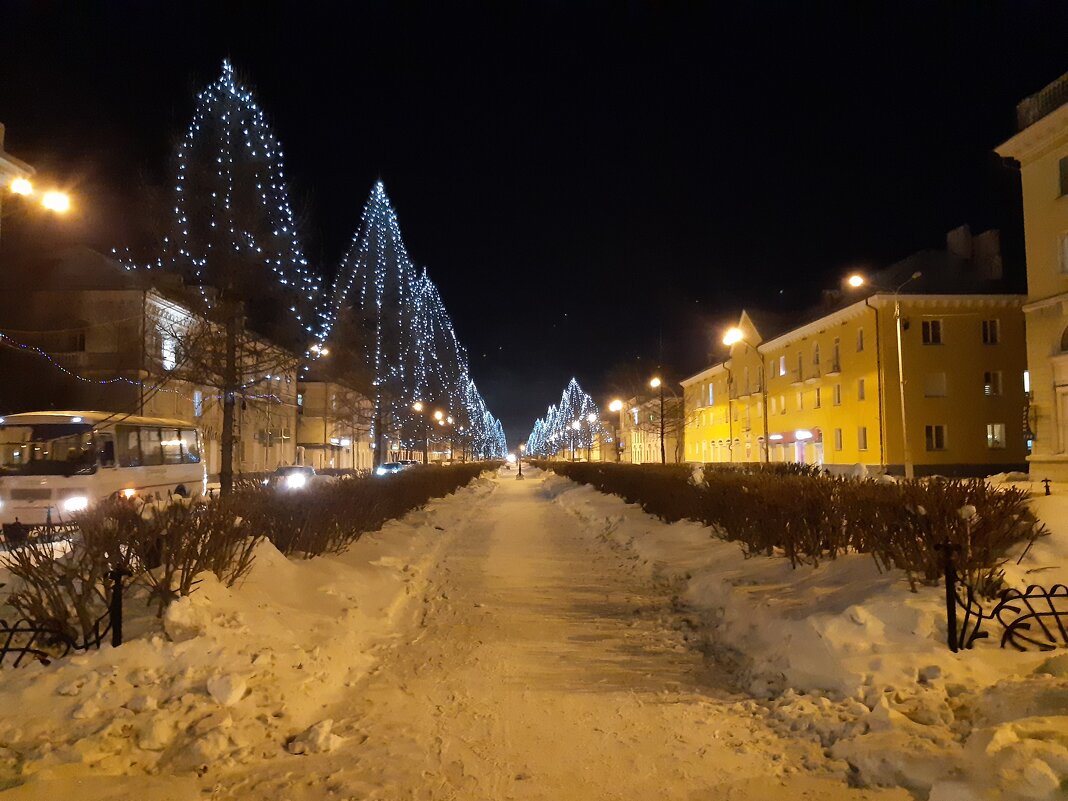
(856, 281)
(617, 406)
(575, 425)
(519, 458)
(735, 336)
(656, 383)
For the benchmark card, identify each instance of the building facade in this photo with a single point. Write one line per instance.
(333, 427)
(79, 332)
(639, 431)
(828, 392)
(1041, 148)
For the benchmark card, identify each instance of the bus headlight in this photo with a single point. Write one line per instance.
(296, 480)
(76, 503)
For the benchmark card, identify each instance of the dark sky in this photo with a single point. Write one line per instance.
(581, 179)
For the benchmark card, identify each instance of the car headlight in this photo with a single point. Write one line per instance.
(381, 471)
(296, 480)
(76, 503)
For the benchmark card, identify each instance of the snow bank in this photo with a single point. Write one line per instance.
(853, 658)
(233, 676)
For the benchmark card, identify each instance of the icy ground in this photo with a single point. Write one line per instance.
(539, 640)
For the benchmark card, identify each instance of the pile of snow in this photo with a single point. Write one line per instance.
(851, 657)
(233, 676)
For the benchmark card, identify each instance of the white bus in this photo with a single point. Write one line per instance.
(54, 464)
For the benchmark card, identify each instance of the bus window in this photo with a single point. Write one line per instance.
(190, 446)
(151, 450)
(105, 448)
(172, 446)
(129, 451)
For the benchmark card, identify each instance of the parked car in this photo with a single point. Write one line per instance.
(389, 468)
(292, 477)
(409, 462)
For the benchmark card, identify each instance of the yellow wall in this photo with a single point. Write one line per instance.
(1039, 149)
(802, 397)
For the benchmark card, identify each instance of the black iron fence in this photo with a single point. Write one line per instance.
(1033, 618)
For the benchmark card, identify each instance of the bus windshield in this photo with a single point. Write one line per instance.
(47, 449)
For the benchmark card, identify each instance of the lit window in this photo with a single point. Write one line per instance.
(992, 383)
(995, 435)
(991, 332)
(711, 394)
(932, 332)
(1027, 381)
(198, 403)
(169, 351)
(800, 401)
(862, 438)
(772, 405)
(816, 354)
(782, 365)
(1064, 176)
(782, 404)
(935, 437)
(817, 401)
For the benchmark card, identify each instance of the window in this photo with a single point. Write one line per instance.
(800, 365)
(1027, 381)
(1064, 253)
(860, 389)
(835, 363)
(991, 332)
(127, 445)
(772, 405)
(817, 400)
(711, 394)
(800, 401)
(782, 365)
(934, 385)
(782, 404)
(837, 394)
(995, 435)
(992, 383)
(190, 446)
(198, 403)
(816, 354)
(151, 450)
(1064, 177)
(935, 437)
(932, 332)
(171, 443)
(862, 438)
(169, 350)
(838, 439)
(860, 340)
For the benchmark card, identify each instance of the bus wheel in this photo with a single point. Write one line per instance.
(181, 491)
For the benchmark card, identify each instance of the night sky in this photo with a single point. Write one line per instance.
(583, 181)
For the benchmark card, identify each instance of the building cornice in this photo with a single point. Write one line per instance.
(708, 372)
(1034, 140)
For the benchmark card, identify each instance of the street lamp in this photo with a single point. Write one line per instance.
(856, 280)
(656, 383)
(617, 406)
(735, 336)
(519, 458)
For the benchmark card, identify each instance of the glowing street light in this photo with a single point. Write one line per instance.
(59, 202)
(856, 280)
(439, 415)
(615, 406)
(418, 406)
(591, 417)
(21, 186)
(733, 336)
(654, 383)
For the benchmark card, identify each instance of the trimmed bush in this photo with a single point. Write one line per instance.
(810, 518)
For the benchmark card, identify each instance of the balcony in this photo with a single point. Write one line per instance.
(796, 378)
(814, 375)
(1042, 103)
(834, 368)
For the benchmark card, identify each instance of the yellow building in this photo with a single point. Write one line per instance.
(827, 392)
(1041, 148)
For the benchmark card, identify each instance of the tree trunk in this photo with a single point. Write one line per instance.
(229, 393)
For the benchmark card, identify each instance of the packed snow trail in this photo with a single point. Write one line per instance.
(540, 667)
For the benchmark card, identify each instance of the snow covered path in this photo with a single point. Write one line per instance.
(540, 667)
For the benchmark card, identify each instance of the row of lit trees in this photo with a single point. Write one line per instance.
(232, 235)
(570, 425)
